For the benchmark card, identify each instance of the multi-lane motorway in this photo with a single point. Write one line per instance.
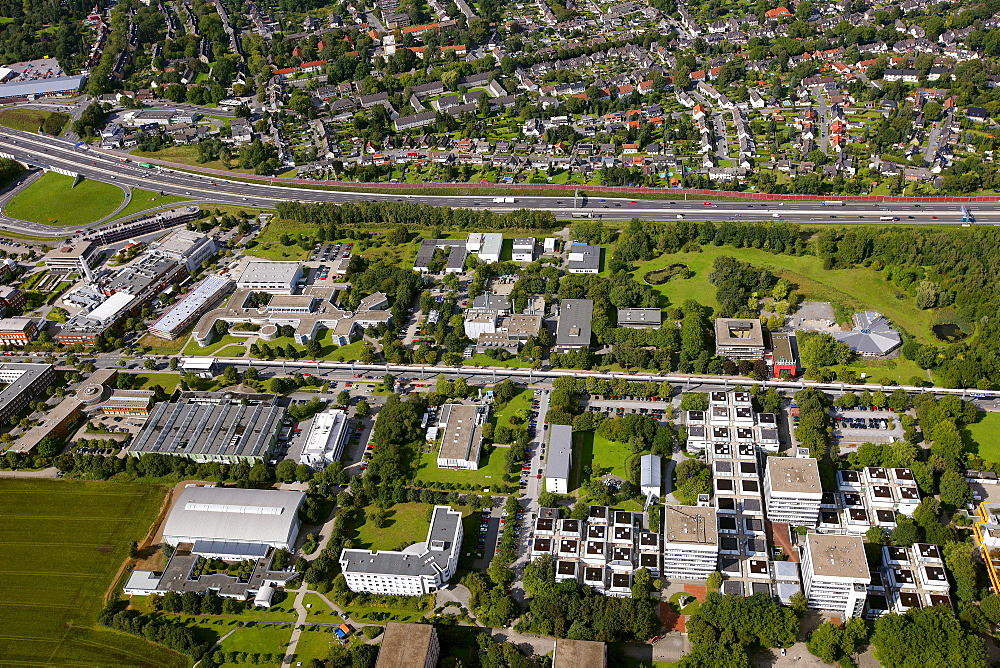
(51, 152)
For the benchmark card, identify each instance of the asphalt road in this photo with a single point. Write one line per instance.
(51, 152)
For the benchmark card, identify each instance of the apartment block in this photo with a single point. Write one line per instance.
(690, 542)
(835, 574)
(792, 490)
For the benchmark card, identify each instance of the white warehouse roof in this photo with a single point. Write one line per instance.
(229, 514)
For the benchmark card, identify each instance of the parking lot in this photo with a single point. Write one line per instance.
(613, 405)
(328, 252)
(853, 427)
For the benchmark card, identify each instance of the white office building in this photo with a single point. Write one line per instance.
(559, 461)
(419, 569)
(327, 436)
(792, 490)
(524, 249)
(690, 542)
(461, 426)
(278, 278)
(187, 248)
(835, 574)
(487, 245)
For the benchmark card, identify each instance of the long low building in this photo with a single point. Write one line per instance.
(419, 569)
(213, 427)
(182, 314)
(24, 383)
(307, 313)
(462, 438)
(229, 515)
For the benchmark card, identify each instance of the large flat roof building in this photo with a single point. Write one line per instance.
(739, 338)
(462, 435)
(230, 515)
(584, 259)
(419, 569)
(187, 247)
(278, 278)
(24, 383)
(573, 330)
(559, 461)
(213, 427)
(640, 318)
(192, 305)
(690, 542)
(409, 646)
(835, 573)
(326, 439)
(71, 258)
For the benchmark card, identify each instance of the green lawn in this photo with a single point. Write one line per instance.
(147, 199)
(314, 643)
(63, 542)
(350, 352)
(406, 522)
(489, 474)
(146, 379)
(52, 200)
(602, 454)
(232, 351)
(277, 252)
(521, 401)
(480, 359)
(185, 155)
(857, 288)
(218, 342)
(983, 437)
(257, 640)
(33, 120)
(319, 610)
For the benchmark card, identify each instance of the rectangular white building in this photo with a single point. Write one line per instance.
(524, 249)
(835, 574)
(487, 245)
(187, 247)
(462, 435)
(419, 569)
(278, 278)
(690, 542)
(559, 462)
(326, 439)
(792, 490)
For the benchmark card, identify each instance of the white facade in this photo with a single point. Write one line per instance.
(690, 542)
(650, 476)
(559, 462)
(524, 249)
(419, 569)
(278, 278)
(835, 574)
(793, 491)
(487, 245)
(326, 439)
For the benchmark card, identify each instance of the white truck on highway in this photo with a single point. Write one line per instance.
(504, 200)
(833, 202)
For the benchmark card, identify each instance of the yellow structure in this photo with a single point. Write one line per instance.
(987, 532)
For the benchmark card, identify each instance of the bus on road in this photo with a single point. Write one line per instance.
(146, 165)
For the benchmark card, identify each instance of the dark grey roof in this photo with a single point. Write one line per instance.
(560, 455)
(416, 560)
(574, 326)
(872, 334)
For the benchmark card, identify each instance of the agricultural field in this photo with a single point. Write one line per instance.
(53, 200)
(63, 545)
(857, 288)
(34, 120)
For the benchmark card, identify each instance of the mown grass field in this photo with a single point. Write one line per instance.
(489, 474)
(52, 200)
(63, 542)
(858, 288)
(406, 522)
(983, 437)
(147, 199)
(33, 120)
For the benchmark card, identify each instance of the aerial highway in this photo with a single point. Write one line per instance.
(54, 153)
